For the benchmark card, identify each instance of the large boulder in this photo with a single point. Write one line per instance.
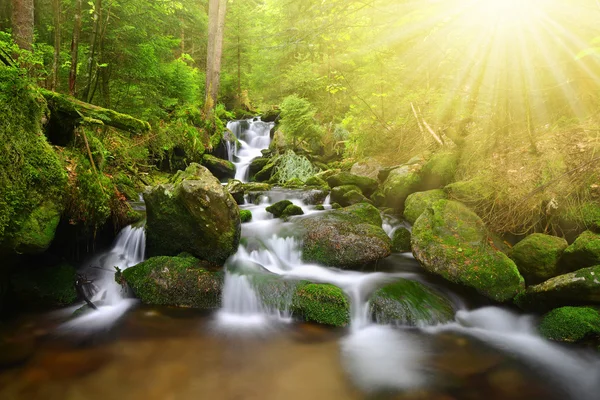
(450, 240)
(366, 185)
(571, 324)
(322, 303)
(537, 257)
(584, 252)
(401, 240)
(182, 281)
(368, 168)
(37, 231)
(194, 214)
(409, 302)
(575, 288)
(400, 183)
(418, 202)
(439, 170)
(345, 238)
(220, 168)
(338, 193)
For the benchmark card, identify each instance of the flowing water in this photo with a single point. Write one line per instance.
(253, 136)
(254, 348)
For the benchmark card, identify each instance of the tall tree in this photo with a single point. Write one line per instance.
(91, 61)
(216, 28)
(56, 61)
(75, 49)
(22, 21)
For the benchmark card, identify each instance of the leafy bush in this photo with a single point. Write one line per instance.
(293, 166)
(298, 122)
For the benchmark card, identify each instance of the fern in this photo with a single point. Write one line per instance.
(293, 166)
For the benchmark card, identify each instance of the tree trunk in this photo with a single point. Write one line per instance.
(90, 70)
(216, 28)
(22, 22)
(75, 49)
(56, 61)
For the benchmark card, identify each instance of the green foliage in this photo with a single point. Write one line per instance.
(297, 121)
(293, 166)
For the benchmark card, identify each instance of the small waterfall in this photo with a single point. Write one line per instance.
(327, 202)
(253, 136)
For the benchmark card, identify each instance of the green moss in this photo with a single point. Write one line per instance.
(439, 170)
(335, 206)
(318, 182)
(537, 257)
(319, 207)
(366, 212)
(291, 210)
(45, 287)
(401, 240)
(37, 232)
(245, 215)
(176, 281)
(220, 168)
(366, 185)
(293, 183)
(477, 193)
(418, 202)
(321, 303)
(584, 252)
(400, 183)
(278, 208)
(338, 193)
(571, 324)
(410, 302)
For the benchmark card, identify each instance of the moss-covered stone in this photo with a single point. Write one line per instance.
(267, 171)
(401, 240)
(418, 202)
(257, 164)
(195, 214)
(400, 183)
(176, 281)
(368, 167)
(575, 288)
(345, 238)
(476, 193)
(278, 208)
(355, 197)
(37, 232)
(220, 168)
(320, 207)
(335, 206)
(256, 187)
(584, 252)
(293, 183)
(450, 240)
(439, 170)
(367, 185)
(44, 287)
(409, 302)
(338, 193)
(236, 190)
(291, 210)
(245, 215)
(317, 182)
(321, 303)
(571, 324)
(537, 257)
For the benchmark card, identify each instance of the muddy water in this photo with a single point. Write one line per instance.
(162, 353)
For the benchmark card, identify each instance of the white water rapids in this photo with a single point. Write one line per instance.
(253, 136)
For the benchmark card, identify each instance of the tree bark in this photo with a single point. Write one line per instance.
(216, 28)
(56, 61)
(22, 22)
(75, 50)
(90, 70)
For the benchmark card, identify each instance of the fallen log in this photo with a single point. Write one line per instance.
(80, 112)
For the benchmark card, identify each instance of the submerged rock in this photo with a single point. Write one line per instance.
(450, 240)
(321, 303)
(367, 185)
(176, 281)
(401, 240)
(537, 257)
(571, 324)
(193, 214)
(418, 202)
(409, 302)
(345, 238)
(584, 252)
(220, 168)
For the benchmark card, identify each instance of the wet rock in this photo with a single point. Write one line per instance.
(401, 240)
(267, 171)
(44, 287)
(409, 302)
(256, 187)
(37, 231)
(236, 190)
(450, 240)
(537, 257)
(584, 252)
(345, 238)
(367, 185)
(571, 324)
(257, 164)
(245, 215)
(338, 193)
(220, 168)
(195, 214)
(291, 211)
(278, 208)
(418, 202)
(322, 303)
(400, 183)
(176, 281)
(314, 196)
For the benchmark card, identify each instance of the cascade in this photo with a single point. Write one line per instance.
(253, 136)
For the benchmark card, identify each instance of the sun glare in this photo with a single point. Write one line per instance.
(505, 12)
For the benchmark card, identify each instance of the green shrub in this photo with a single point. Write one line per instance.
(294, 166)
(297, 121)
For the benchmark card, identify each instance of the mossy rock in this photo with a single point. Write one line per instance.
(194, 214)
(576, 217)
(320, 207)
(293, 183)
(400, 183)
(338, 193)
(236, 190)
(571, 324)
(45, 287)
(267, 171)
(345, 238)
(355, 197)
(409, 302)
(418, 202)
(584, 252)
(401, 240)
(278, 208)
(368, 168)
(220, 168)
(367, 185)
(256, 187)
(317, 182)
(245, 215)
(335, 206)
(575, 288)
(450, 240)
(291, 211)
(477, 193)
(439, 170)
(378, 198)
(257, 164)
(326, 173)
(38, 230)
(321, 303)
(176, 281)
(537, 257)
